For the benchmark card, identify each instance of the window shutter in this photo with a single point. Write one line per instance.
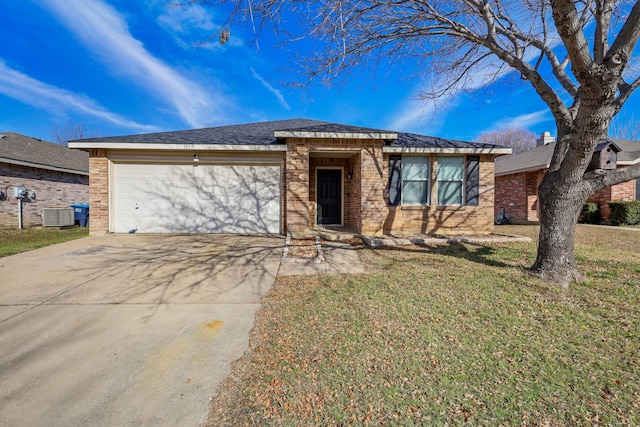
(395, 180)
(473, 180)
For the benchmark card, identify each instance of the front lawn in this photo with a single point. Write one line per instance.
(13, 241)
(456, 335)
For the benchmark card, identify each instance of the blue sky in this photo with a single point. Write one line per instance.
(124, 67)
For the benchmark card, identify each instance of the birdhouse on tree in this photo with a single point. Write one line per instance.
(605, 157)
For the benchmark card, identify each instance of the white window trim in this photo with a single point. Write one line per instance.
(463, 179)
(427, 180)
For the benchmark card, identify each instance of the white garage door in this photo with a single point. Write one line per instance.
(165, 198)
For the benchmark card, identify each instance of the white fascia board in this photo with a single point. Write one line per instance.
(628, 162)
(436, 150)
(176, 147)
(336, 135)
(41, 166)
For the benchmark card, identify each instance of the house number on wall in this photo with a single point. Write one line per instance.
(188, 146)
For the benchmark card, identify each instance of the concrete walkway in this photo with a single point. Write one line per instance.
(340, 258)
(127, 330)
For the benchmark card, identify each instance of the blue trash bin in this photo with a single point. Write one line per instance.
(81, 214)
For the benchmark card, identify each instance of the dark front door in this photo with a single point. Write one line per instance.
(329, 197)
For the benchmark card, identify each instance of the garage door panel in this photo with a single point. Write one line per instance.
(202, 199)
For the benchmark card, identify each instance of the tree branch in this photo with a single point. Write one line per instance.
(603, 21)
(570, 29)
(627, 38)
(598, 180)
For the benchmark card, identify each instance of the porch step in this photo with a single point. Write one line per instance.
(332, 234)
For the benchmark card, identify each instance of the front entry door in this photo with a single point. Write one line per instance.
(329, 197)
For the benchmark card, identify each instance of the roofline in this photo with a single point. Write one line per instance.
(175, 147)
(449, 150)
(342, 135)
(546, 166)
(628, 162)
(520, 170)
(41, 166)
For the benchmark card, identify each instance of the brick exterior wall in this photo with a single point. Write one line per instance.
(365, 195)
(625, 191)
(348, 201)
(365, 204)
(446, 219)
(364, 207)
(518, 194)
(53, 190)
(98, 192)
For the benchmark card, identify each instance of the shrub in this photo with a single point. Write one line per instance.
(624, 213)
(590, 213)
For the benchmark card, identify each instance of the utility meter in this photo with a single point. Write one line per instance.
(19, 192)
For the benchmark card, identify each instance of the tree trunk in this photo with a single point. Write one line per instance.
(560, 206)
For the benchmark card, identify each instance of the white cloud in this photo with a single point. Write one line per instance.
(522, 121)
(192, 25)
(187, 19)
(23, 88)
(271, 89)
(106, 34)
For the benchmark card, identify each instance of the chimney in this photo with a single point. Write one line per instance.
(545, 139)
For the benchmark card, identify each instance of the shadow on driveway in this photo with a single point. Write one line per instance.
(115, 330)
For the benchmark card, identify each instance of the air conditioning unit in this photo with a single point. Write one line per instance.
(57, 217)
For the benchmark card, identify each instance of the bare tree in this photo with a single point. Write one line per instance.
(69, 131)
(576, 55)
(519, 139)
(625, 128)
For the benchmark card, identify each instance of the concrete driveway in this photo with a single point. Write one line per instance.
(127, 330)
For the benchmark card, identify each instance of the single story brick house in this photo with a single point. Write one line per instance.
(289, 176)
(518, 177)
(57, 176)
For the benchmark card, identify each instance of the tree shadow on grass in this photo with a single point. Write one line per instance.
(484, 254)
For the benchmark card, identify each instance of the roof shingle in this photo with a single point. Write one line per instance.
(15, 147)
(263, 134)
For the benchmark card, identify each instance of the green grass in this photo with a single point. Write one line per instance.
(460, 335)
(14, 241)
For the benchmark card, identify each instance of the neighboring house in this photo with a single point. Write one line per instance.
(56, 175)
(289, 176)
(518, 177)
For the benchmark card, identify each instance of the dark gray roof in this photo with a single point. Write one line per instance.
(413, 140)
(629, 150)
(263, 134)
(540, 157)
(246, 134)
(21, 149)
(537, 158)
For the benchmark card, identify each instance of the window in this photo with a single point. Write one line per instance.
(638, 189)
(450, 180)
(458, 180)
(415, 180)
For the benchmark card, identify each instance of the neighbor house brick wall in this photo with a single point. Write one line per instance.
(98, 191)
(518, 194)
(625, 191)
(53, 190)
(445, 219)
